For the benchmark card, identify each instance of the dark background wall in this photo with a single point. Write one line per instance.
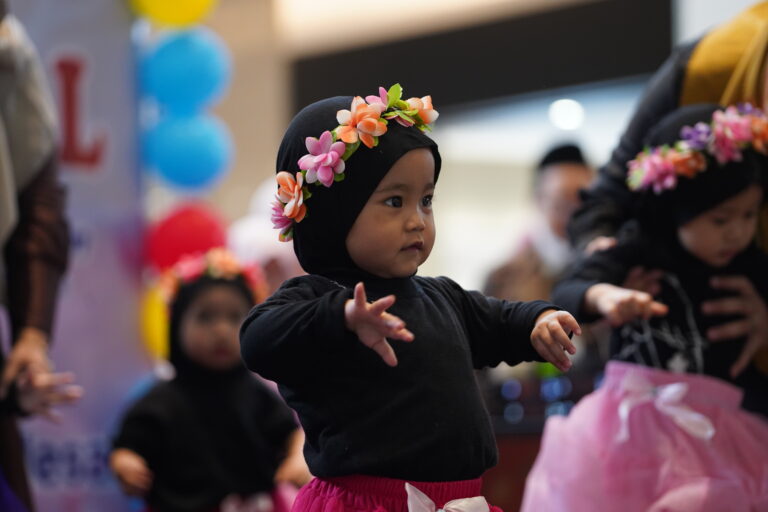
(595, 41)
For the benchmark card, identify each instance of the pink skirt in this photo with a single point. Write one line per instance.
(651, 440)
(359, 493)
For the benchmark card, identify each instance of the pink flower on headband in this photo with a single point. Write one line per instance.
(381, 101)
(324, 159)
(362, 122)
(281, 222)
(729, 132)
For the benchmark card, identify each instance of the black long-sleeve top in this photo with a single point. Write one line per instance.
(677, 341)
(608, 203)
(422, 420)
(206, 435)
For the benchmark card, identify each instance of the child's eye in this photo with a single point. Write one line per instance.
(426, 201)
(750, 214)
(394, 201)
(719, 221)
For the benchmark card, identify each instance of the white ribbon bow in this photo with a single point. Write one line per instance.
(667, 400)
(420, 502)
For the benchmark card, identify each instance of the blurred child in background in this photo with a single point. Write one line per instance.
(214, 437)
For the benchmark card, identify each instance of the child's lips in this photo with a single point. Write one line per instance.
(415, 246)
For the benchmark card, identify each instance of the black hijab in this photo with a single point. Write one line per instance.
(319, 240)
(665, 212)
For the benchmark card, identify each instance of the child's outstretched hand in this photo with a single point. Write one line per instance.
(373, 325)
(550, 337)
(621, 305)
(132, 471)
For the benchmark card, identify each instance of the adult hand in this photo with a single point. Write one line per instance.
(29, 354)
(754, 322)
(38, 392)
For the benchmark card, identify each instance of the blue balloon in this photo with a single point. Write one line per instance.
(186, 70)
(189, 152)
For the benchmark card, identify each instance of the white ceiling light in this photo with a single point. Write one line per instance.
(566, 114)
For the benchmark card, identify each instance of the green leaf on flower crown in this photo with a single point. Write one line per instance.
(305, 191)
(405, 116)
(351, 148)
(394, 94)
(401, 105)
(375, 141)
(339, 177)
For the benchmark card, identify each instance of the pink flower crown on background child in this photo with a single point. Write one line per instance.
(729, 133)
(364, 123)
(218, 263)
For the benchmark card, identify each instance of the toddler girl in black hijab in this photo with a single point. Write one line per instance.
(386, 424)
(668, 430)
(214, 437)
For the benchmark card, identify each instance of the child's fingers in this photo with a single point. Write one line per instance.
(385, 351)
(657, 309)
(381, 305)
(359, 295)
(560, 337)
(569, 323)
(552, 352)
(394, 327)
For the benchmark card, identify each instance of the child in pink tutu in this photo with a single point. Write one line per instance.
(385, 390)
(669, 429)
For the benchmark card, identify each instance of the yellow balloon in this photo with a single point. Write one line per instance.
(175, 13)
(154, 324)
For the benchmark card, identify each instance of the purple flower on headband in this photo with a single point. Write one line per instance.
(749, 109)
(697, 136)
(324, 159)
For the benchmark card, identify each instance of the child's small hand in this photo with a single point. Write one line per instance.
(550, 337)
(293, 470)
(132, 471)
(373, 325)
(621, 305)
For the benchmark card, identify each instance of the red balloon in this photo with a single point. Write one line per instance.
(189, 229)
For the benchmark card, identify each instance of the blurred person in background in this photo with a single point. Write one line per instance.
(214, 437)
(544, 252)
(34, 239)
(726, 66)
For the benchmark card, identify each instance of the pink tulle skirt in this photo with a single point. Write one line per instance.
(650, 440)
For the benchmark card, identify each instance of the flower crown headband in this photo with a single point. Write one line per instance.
(730, 132)
(217, 263)
(324, 165)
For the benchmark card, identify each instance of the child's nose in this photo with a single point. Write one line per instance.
(416, 221)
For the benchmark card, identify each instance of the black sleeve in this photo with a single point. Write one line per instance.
(498, 330)
(281, 337)
(609, 266)
(275, 418)
(142, 430)
(607, 203)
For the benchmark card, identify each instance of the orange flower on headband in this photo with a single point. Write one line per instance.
(290, 193)
(365, 122)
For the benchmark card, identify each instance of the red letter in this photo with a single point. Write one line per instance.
(74, 150)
